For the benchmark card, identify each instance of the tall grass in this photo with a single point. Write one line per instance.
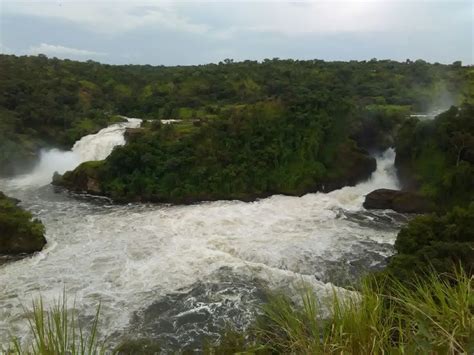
(433, 315)
(56, 330)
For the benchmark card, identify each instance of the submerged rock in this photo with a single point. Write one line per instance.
(399, 201)
(19, 232)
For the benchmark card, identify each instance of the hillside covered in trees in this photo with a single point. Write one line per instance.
(52, 103)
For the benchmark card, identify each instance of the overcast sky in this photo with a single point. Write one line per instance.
(197, 32)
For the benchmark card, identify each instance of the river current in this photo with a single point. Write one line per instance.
(179, 274)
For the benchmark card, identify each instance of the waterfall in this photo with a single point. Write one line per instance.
(96, 146)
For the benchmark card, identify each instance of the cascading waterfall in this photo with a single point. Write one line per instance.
(176, 273)
(91, 147)
(99, 146)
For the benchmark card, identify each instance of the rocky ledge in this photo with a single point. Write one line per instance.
(19, 232)
(399, 201)
(83, 179)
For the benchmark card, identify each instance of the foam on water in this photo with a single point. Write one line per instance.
(128, 257)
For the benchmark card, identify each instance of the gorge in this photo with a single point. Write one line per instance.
(241, 181)
(139, 260)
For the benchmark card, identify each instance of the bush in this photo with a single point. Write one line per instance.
(438, 242)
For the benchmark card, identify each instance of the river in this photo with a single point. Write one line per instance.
(180, 273)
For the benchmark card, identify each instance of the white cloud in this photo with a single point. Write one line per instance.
(226, 18)
(62, 51)
(4, 49)
(109, 17)
(327, 17)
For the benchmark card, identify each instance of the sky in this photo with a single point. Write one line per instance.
(197, 32)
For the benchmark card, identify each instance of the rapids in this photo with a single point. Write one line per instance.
(179, 273)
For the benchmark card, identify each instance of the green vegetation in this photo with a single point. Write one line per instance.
(431, 315)
(58, 331)
(52, 102)
(302, 134)
(253, 129)
(19, 233)
(435, 242)
(259, 150)
(437, 157)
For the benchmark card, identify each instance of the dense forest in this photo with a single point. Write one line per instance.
(436, 158)
(51, 102)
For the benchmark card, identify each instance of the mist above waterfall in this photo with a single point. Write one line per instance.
(442, 102)
(96, 146)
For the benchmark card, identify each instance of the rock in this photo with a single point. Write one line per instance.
(131, 134)
(56, 178)
(19, 232)
(84, 178)
(468, 155)
(138, 346)
(380, 199)
(399, 201)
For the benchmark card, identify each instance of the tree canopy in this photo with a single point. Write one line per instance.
(51, 102)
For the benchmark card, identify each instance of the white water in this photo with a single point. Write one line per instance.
(128, 257)
(91, 147)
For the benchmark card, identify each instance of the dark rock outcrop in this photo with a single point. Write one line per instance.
(132, 134)
(399, 201)
(19, 232)
(85, 178)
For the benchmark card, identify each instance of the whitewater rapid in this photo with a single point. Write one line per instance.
(177, 273)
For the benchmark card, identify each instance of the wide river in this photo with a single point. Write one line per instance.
(181, 273)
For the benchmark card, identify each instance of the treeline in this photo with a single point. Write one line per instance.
(51, 102)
